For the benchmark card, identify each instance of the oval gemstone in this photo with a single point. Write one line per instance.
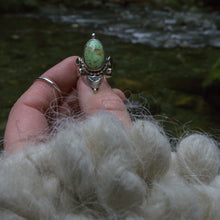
(94, 54)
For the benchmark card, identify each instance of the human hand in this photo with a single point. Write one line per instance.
(28, 120)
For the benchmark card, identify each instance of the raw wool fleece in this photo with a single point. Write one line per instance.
(95, 169)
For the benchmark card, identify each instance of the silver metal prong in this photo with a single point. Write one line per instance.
(93, 35)
(109, 71)
(94, 90)
(78, 60)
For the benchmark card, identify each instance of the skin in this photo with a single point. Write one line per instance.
(27, 119)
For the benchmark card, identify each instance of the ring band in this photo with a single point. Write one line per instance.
(50, 82)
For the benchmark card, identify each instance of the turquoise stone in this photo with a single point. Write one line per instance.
(94, 54)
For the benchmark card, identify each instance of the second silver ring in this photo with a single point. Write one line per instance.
(50, 82)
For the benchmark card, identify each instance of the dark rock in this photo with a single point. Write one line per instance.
(213, 3)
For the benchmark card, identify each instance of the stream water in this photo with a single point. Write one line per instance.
(168, 29)
(160, 58)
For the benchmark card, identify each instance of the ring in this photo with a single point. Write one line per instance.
(94, 65)
(50, 82)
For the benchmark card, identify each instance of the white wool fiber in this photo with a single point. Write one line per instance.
(198, 158)
(96, 169)
(151, 148)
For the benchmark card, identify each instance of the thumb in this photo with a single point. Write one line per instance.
(105, 99)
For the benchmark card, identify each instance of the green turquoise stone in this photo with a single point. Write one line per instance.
(94, 54)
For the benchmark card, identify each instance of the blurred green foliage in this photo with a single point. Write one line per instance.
(214, 75)
(211, 86)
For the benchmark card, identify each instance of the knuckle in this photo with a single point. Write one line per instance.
(113, 104)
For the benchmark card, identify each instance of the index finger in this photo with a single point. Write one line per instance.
(41, 93)
(64, 74)
(27, 116)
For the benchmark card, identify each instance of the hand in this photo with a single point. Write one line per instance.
(28, 120)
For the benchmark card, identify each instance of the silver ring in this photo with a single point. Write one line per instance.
(94, 65)
(50, 82)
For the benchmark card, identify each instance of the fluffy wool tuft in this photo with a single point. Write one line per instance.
(198, 158)
(95, 169)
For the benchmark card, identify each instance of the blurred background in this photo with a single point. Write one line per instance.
(166, 53)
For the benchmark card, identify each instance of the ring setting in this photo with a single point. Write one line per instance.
(94, 65)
